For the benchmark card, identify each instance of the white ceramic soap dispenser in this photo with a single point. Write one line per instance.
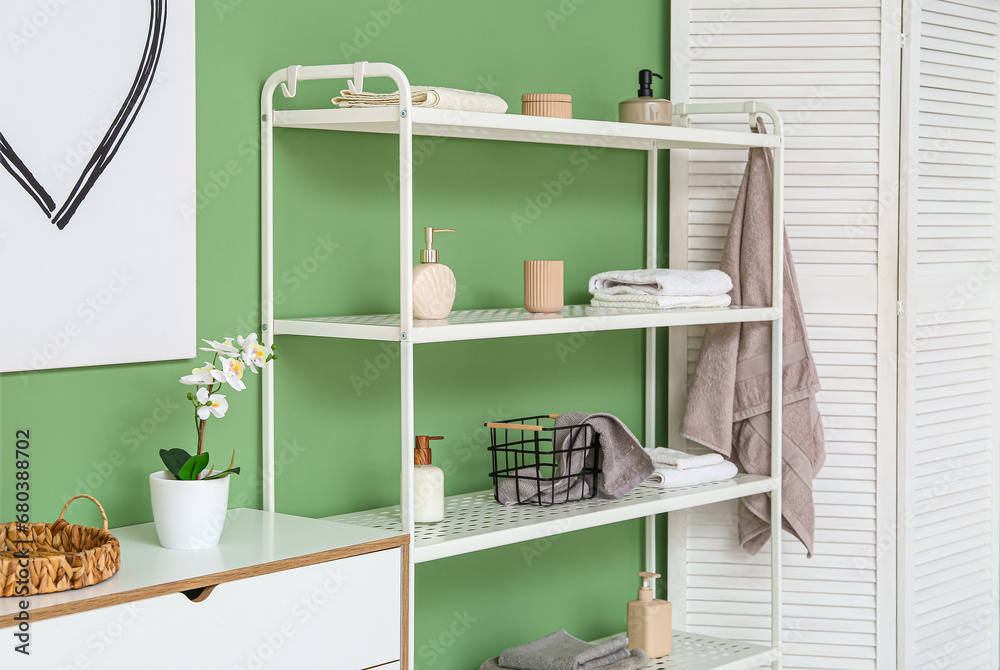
(433, 282)
(428, 483)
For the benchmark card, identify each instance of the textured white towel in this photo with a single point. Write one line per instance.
(682, 461)
(667, 477)
(602, 299)
(428, 96)
(661, 282)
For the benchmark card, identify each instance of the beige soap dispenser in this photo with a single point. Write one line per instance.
(649, 621)
(646, 108)
(433, 282)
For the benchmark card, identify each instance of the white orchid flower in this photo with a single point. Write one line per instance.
(231, 372)
(245, 342)
(255, 355)
(225, 347)
(200, 376)
(214, 404)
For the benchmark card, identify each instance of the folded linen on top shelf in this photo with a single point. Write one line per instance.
(428, 96)
(562, 651)
(659, 301)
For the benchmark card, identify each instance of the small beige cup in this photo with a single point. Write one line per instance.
(543, 286)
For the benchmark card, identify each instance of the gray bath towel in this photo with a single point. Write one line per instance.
(562, 651)
(729, 404)
(637, 660)
(624, 463)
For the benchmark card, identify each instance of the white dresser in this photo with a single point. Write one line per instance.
(278, 592)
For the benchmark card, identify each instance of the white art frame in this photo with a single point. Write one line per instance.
(97, 183)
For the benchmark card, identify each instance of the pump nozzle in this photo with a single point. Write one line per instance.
(646, 593)
(422, 452)
(646, 83)
(430, 254)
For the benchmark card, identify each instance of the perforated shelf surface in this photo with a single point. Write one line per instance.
(474, 324)
(690, 651)
(475, 521)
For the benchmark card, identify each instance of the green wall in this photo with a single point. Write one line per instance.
(97, 430)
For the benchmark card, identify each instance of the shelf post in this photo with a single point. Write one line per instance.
(267, 283)
(777, 400)
(652, 186)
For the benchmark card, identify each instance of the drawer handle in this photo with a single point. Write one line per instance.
(200, 594)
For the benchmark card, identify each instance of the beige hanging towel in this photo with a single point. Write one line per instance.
(729, 404)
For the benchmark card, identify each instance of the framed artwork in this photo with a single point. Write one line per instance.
(97, 186)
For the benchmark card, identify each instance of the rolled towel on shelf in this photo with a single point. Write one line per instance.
(669, 477)
(681, 460)
(602, 299)
(661, 281)
(437, 97)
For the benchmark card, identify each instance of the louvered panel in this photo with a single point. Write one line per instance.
(952, 443)
(818, 62)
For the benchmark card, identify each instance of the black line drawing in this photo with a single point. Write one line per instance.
(113, 138)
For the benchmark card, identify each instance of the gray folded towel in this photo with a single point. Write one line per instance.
(624, 463)
(562, 651)
(526, 490)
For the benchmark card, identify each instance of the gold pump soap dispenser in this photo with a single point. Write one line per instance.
(433, 282)
(649, 621)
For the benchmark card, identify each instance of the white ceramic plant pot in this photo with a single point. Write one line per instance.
(188, 514)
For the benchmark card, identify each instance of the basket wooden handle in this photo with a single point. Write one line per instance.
(83, 495)
(515, 426)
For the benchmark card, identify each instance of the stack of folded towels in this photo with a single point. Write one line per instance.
(675, 468)
(562, 651)
(427, 96)
(661, 289)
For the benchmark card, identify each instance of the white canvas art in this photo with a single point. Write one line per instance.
(97, 182)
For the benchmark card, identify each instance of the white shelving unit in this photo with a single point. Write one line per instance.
(475, 521)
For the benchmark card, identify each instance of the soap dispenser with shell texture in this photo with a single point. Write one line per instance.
(433, 282)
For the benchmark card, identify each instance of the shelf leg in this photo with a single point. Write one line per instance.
(406, 499)
(267, 289)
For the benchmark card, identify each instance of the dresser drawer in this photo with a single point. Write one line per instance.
(343, 615)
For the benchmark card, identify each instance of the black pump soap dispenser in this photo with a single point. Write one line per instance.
(646, 108)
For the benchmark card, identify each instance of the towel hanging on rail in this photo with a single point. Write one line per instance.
(729, 405)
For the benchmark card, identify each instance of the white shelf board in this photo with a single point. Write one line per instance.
(690, 651)
(522, 128)
(480, 324)
(475, 521)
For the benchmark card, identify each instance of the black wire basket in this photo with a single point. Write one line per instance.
(539, 464)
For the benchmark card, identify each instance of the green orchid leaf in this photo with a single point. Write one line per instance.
(174, 460)
(224, 473)
(193, 467)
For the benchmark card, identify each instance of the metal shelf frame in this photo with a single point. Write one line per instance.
(405, 122)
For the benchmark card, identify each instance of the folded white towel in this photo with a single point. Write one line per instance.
(668, 477)
(428, 96)
(602, 299)
(682, 461)
(661, 281)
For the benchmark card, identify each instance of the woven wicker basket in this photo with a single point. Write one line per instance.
(61, 555)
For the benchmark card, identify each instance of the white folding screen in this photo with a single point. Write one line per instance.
(947, 349)
(831, 68)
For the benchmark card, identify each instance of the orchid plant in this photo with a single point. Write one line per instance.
(229, 362)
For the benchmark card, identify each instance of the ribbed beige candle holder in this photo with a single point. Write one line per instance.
(558, 105)
(543, 286)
